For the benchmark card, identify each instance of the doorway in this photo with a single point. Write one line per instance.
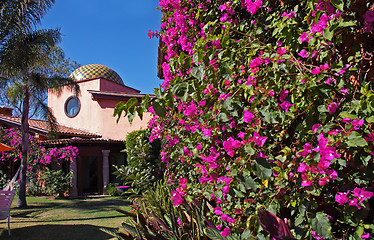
(89, 175)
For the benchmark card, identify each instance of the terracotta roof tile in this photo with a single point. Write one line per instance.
(76, 140)
(42, 126)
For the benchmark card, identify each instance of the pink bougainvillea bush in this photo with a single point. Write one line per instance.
(266, 110)
(40, 159)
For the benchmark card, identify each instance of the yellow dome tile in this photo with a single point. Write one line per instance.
(96, 71)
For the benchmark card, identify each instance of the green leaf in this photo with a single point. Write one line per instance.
(299, 220)
(339, 4)
(250, 183)
(131, 114)
(180, 90)
(322, 108)
(246, 234)
(214, 234)
(145, 103)
(263, 169)
(129, 228)
(238, 194)
(347, 24)
(198, 72)
(227, 104)
(157, 92)
(321, 225)
(328, 33)
(140, 111)
(356, 140)
(160, 110)
(131, 102)
(114, 233)
(347, 115)
(370, 119)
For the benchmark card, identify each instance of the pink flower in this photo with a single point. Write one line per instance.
(316, 236)
(303, 168)
(226, 189)
(304, 54)
(230, 145)
(307, 150)
(241, 135)
(285, 105)
(344, 91)
(253, 6)
(354, 202)
(315, 127)
(332, 107)
(365, 235)
(255, 63)
(283, 94)
(306, 183)
(316, 70)
(218, 211)
(182, 183)
(207, 132)
(370, 137)
(361, 194)
(178, 200)
(251, 81)
(226, 232)
(259, 140)
(225, 180)
(324, 66)
(222, 7)
(247, 116)
(304, 37)
(368, 21)
(289, 15)
(281, 51)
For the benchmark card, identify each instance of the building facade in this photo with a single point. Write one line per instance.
(86, 121)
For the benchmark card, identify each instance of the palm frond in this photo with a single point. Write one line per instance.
(57, 83)
(21, 53)
(20, 16)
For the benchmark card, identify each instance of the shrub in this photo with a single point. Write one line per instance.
(154, 217)
(3, 180)
(111, 188)
(131, 141)
(56, 182)
(143, 167)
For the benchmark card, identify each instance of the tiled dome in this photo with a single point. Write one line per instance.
(96, 71)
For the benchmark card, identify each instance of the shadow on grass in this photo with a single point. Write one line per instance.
(69, 220)
(56, 232)
(72, 204)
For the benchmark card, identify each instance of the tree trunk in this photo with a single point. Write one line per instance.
(25, 149)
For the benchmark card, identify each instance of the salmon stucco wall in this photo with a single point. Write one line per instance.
(96, 116)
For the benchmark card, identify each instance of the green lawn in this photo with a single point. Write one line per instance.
(69, 219)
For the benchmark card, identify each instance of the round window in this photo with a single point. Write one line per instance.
(72, 106)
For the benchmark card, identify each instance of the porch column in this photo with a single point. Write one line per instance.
(74, 185)
(105, 169)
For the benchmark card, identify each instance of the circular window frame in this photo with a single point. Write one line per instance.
(66, 105)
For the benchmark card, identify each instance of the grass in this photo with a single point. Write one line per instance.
(60, 219)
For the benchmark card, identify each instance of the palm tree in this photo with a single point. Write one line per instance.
(24, 53)
(19, 16)
(23, 60)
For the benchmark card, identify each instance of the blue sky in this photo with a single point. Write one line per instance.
(111, 33)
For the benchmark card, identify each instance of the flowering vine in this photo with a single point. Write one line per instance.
(275, 96)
